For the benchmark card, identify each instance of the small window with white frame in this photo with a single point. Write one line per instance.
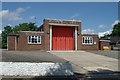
(87, 40)
(34, 39)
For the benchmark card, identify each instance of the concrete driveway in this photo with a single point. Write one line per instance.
(84, 62)
(29, 56)
(109, 53)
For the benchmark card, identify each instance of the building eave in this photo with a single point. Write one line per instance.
(62, 20)
(104, 40)
(31, 31)
(57, 24)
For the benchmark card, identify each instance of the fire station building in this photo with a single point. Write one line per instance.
(54, 35)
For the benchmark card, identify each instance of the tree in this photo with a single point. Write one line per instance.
(14, 30)
(116, 30)
(5, 33)
(25, 27)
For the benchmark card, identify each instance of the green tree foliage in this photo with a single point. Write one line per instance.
(7, 30)
(116, 30)
(14, 30)
(25, 27)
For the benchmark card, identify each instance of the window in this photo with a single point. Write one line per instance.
(34, 39)
(87, 40)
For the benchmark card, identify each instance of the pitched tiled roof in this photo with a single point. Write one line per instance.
(115, 39)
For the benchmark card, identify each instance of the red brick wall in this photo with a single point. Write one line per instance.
(46, 34)
(91, 46)
(23, 42)
(102, 44)
(11, 42)
(47, 30)
(79, 37)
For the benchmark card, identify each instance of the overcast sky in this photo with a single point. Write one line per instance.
(96, 17)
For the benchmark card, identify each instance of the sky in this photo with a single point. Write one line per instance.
(96, 17)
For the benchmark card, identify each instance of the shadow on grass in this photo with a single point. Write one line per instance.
(99, 74)
(91, 75)
(102, 74)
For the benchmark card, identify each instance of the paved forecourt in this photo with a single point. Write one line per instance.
(84, 62)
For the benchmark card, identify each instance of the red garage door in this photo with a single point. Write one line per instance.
(62, 38)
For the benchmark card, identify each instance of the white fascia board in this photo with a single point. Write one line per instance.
(56, 24)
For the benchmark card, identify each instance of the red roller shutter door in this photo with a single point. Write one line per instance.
(62, 38)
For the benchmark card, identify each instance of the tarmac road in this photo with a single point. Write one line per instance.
(29, 56)
(81, 61)
(111, 53)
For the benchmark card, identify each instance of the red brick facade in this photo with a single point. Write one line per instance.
(46, 28)
(93, 46)
(11, 42)
(22, 41)
(103, 44)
